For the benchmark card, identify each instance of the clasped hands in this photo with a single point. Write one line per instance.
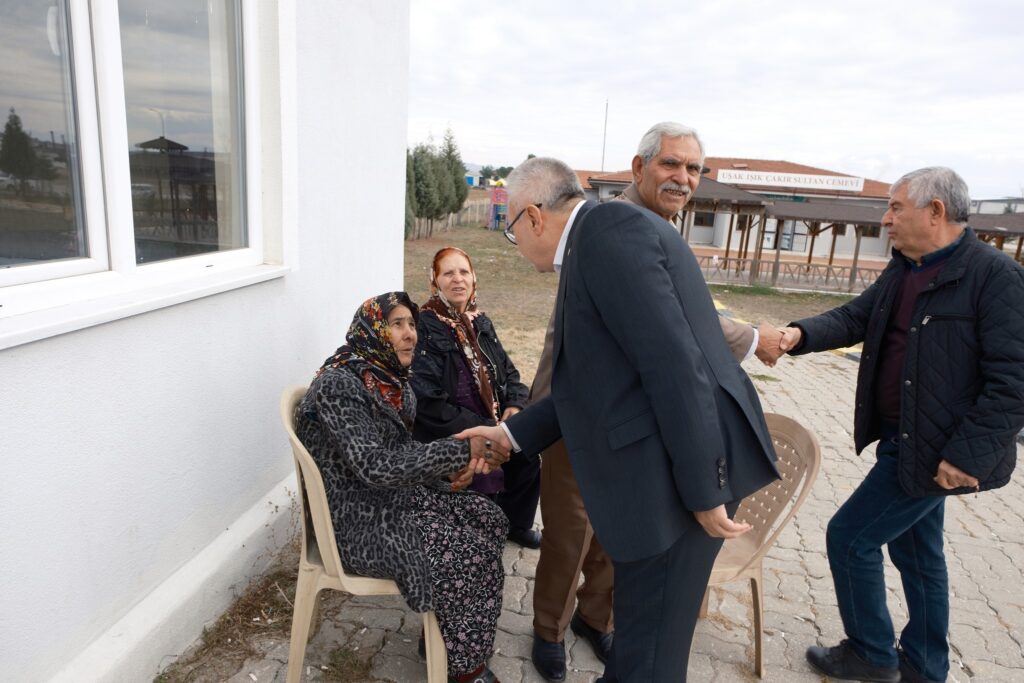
(773, 342)
(489, 447)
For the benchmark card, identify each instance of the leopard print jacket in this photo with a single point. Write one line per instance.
(371, 468)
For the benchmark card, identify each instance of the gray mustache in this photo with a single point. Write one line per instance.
(669, 185)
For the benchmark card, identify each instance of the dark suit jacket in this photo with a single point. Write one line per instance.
(658, 416)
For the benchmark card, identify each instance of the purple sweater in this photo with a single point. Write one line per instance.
(889, 380)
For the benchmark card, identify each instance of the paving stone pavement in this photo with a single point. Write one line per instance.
(984, 550)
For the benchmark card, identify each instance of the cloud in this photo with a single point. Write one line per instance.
(867, 88)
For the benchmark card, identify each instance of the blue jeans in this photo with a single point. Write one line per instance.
(878, 513)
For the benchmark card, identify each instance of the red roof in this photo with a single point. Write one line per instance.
(585, 176)
(872, 188)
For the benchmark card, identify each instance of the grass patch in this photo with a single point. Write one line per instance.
(345, 666)
(744, 290)
(264, 609)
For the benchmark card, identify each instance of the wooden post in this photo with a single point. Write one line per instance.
(815, 227)
(1020, 241)
(728, 240)
(778, 255)
(856, 256)
(832, 250)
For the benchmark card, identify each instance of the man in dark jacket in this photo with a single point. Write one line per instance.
(941, 388)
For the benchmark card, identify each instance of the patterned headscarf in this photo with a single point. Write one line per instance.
(462, 327)
(368, 353)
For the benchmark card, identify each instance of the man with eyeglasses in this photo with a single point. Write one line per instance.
(664, 429)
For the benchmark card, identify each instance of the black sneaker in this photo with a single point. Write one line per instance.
(843, 663)
(911, 675)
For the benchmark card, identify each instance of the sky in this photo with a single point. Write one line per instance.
(867, 88)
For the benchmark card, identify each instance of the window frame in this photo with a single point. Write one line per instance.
(62, 296)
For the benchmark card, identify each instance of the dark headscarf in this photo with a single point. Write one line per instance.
(369, 354)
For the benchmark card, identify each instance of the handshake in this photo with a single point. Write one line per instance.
(772, 342)
(488, 448)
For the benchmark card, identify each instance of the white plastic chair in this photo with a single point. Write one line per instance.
(320, 564)
(799, 458)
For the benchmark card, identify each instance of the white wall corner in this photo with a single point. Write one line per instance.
(141, 644)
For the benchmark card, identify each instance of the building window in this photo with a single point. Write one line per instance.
(839, 229)
(870, 230)
(171, 95)
(185, 127)
(704, 219)
(41, 216)
(126, 152)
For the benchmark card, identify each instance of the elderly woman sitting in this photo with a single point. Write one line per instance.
(397, 504)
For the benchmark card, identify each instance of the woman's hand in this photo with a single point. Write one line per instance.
(461, 479)
(509, 412)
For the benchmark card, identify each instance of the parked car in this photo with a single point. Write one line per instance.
(6, 181)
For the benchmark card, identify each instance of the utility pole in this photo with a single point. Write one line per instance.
(604, 138)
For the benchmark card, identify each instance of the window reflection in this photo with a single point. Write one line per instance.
(183, 97)
(40, 189)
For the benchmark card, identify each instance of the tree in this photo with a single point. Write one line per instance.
(457, 170)
(17, 156)
(487, 172)
(503, 171)
(410, 195)
(427, 197)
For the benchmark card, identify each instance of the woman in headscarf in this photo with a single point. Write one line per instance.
(397, 509)
(463, 378)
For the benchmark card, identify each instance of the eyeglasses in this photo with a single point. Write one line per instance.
(511, 236)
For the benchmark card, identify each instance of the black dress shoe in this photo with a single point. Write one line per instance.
(600, 642)
(843, 663)
(549, 659)
(528, 538)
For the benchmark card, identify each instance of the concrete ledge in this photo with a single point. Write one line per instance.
(167, 621)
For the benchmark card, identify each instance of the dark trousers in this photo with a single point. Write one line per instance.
(522, 491)
(880, 513)
(657, 603)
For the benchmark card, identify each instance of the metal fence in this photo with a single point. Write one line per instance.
(787, 274)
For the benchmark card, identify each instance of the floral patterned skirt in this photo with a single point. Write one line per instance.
(463, 537)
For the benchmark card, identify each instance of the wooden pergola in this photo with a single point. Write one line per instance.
(744, 207)
(819, 217)
(997, 227)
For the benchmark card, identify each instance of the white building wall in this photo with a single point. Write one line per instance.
(145, 475)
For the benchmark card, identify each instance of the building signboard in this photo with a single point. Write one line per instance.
(807, 181)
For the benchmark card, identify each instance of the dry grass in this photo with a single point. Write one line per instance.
(263, 611)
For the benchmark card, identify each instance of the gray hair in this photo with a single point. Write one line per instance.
(650, 143)
(937, 182)
(544, 180)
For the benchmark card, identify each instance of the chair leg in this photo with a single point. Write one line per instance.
(437, 655)
(758, 600)
(704, 603)
(302, 619)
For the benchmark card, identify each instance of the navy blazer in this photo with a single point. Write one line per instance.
(658, 416)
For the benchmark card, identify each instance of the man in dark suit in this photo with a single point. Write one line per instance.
(664, 429)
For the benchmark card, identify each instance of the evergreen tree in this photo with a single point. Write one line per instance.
(16, 154)
(427, 197)
(453, 160)
(410, 195)
(486, 173)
